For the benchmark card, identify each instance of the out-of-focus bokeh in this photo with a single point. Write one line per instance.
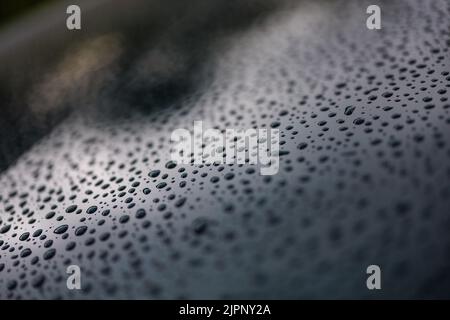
(135, 51)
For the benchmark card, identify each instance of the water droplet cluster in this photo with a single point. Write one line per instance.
(364, 120)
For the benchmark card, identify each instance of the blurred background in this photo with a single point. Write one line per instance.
(47, 69)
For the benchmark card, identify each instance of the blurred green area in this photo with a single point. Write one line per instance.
(11, 10)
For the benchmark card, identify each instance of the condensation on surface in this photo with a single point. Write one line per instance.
(364, 173)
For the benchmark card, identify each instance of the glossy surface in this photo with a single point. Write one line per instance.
(364, 176)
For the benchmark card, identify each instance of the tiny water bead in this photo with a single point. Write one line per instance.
(61, 229)
(25, 253)
(91, 209)
(124, 219)
(140, 213)
(5, 228)
(71, 208)
(80, 230)
(49, 254)
(24, 236)
(154, 173)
